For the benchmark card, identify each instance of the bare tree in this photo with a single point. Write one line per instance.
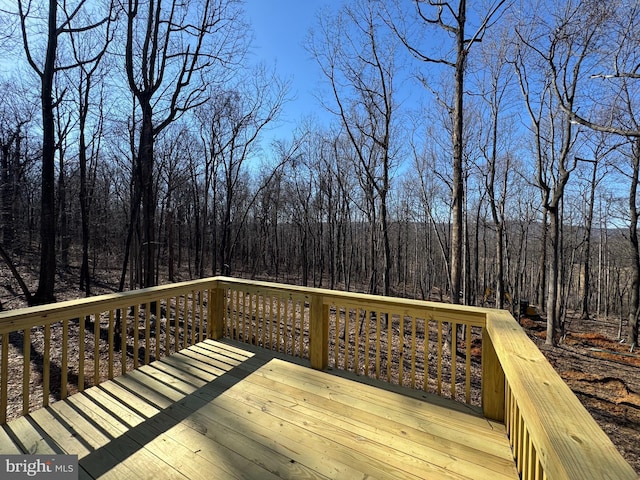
(88, 54)
(498, 79)
(614, 107)
(359, 64)
(450, 18)
(233, 122)
(174, 51)
(600, 150)
(14, 122)
(551, 62)
(46, 68)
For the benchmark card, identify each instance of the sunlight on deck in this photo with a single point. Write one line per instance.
(221, 410)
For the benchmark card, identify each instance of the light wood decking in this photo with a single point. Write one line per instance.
(220, 410)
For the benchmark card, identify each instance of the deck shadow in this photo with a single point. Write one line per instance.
(104, 459)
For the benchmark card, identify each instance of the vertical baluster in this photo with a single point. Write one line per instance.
(64, 361)
(304, 313)
(521, 443)
(185, 320)
(401, 350)
(26, 373)
(201, 316)
(414, 320)
(271, 300)
(193, 315)
(111, 342)
(237, 314)
(356, 356)
(389, 318)
(184, 302)
(454, 358)
(250, 318)
(539, 473)
(367, 331)
(425, 364)
(232, 318)
(467, 368)
(298, 308)
(525, 455)
(508, 413)
(279, 301)
(439, 360)
(124, 315)
(507, 408)
(347, 340)
(46, 366)
(157, 330)
(378, 342)
(81, 354)
(264, 320)
(147, 331)
(4, 378)
(167, 326)
(176, 322)
(285, 332)
(514, 429)
(336, 343)
(96, 348)
(246, 318)
(136, 340)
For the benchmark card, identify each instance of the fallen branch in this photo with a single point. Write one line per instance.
(16, 275)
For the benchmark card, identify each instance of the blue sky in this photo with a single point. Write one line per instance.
(280, 28)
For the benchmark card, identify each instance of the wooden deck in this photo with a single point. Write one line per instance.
(220, 410)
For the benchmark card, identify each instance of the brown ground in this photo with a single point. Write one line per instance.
(600, 370)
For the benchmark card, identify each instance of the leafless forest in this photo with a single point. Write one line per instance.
(479, 154)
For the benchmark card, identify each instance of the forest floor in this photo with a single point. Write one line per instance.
(599, 369)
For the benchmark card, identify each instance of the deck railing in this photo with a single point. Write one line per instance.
(405, 342)
(475, 355)
(62, 348)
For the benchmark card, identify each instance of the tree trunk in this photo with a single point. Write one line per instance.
(8, 164)
(146, 161)
(541, 291)
(85, 279)
(587, 244)
(46, 280)
(63, 218)
(554, 277)
(634, 307)
(458, 180)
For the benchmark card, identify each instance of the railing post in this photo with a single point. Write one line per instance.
(215, 314)
(492, 380)
(318, 333)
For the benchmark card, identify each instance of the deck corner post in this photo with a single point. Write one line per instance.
(319, 333)
(216, 312)
(493, 380)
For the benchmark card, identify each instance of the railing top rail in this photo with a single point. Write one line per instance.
(12, 320)
(448, 312)
(569, 442)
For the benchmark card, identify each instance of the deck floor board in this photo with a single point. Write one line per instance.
(222, 410)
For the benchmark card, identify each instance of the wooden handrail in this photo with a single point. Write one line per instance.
(552, 435)
(12, 320)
